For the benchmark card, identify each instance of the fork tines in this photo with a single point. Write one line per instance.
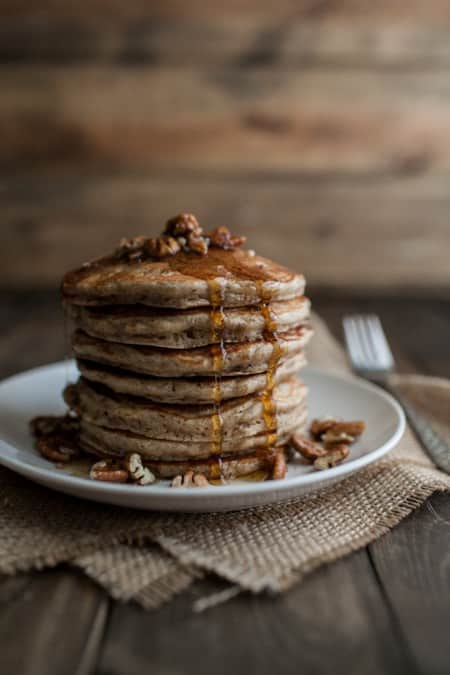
(367, 344)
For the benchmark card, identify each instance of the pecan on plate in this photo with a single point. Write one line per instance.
(332, 431)
(138, 473)
(332, 457)
(48, 425)
(279, 466)
(307, 448)
(200, 480)
(57, 449)
(221, 237)
(343, 432)
(321, 425)
(108, 471)
(190, 479)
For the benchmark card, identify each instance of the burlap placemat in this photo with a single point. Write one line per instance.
(149, 557)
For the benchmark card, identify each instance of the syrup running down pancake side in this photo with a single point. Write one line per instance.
(216, 294)
(270, 334)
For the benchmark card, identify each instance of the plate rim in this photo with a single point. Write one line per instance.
(214, 493)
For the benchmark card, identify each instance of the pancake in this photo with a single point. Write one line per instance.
(186, 390)
(183, 280)
(226, 468)
(189, 328)
(118, 442)
(240, 417)
(235, 359)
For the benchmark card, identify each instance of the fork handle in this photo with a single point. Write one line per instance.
(432, 442)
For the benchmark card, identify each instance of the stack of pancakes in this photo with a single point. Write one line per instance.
(188, 359)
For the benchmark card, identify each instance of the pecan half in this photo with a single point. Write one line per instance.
(138, 473)
(197, 244)
(321, 425)
(46, 425)
(336, 431)
(130, 248)
(109, 471)
(332, 457)
(56, 449)
(187, 479)
(221, 237)
(279, 466)
(182, 225)
(307, 448)
(190, 479)
(343, 432)
(200, 480)
(161, 247)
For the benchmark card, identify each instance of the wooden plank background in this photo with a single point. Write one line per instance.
(320, 129)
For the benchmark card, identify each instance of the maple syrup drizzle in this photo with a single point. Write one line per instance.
(268, 403)
(217, 320)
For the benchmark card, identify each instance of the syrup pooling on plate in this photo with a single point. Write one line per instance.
(217, 319)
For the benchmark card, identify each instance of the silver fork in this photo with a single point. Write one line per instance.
(371, 357)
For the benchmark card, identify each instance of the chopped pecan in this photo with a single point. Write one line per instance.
(130, 248)
(343, 432)
(307, 448)
(197, 244)
(221, 237)
(279, 466)
(161, 247)
(108, 471)
(332, 457)
(332, 431)
(182, 225)
(57, 449)
(200, 480)
(136, 256)
(187, 479)
(46, 425)
(190, 479)
(321, 425)
(138, 473)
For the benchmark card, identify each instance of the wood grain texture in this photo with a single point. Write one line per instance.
(297, 632)
(413, 565)
(318, 121)
(296, 36)
(418, 330)
(51, 623)
(385, 232)
(111, 11)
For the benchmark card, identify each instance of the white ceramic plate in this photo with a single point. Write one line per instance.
(38, 392)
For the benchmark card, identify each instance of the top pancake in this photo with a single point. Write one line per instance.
(229, 278)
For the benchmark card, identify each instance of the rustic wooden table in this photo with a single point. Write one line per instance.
(384, 609)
